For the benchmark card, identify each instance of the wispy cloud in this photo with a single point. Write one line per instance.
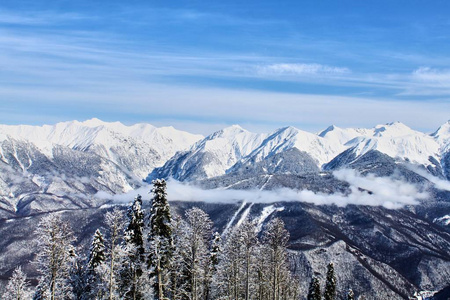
(39, 18)
(301, 69)
(434, 76)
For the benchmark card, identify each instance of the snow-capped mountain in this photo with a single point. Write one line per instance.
(338, 135)
(320, 149)
(442, 136)
(67, 164)
(75, 167)
(117, 142)
(64, 165)
(212, 156)
(218, 154)
(398, 141)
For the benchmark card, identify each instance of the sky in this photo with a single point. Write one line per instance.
(203, 65)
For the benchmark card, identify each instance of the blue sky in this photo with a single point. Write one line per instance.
(203, 65)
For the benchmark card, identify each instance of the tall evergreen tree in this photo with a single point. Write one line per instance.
(133, 262)
(330, 285)
(78, 279)
(160, 238)
(216, 249)
(211, 267)
(97, 251)
(314, 289)
(94, 272)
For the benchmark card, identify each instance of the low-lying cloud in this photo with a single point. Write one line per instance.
(364, 190)
(438, 183)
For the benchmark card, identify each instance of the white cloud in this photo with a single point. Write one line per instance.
(365, 190)
(301, 69)
(426, 74)
(438, 183)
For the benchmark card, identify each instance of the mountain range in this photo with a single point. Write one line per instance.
(76, 168)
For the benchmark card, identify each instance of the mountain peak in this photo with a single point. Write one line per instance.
(234, 127)
(228, 132)
(94, 122)
(328, 129)
(443, 129)
(392, 129)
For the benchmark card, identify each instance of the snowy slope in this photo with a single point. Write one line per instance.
(212, 156)
(234, 149)
(394, 139)
(320, 149)
(398, 141)
(138, 148)
(442, 136)
(338, 135)
(64, 166)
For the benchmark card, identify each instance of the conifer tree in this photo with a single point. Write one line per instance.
(314, 289)
(215, 249)
(77, 276)
(211, 267)
(18, 287)
(133, 261)
(330, 285)
(160, 238)
(97, 251)
(94, 272)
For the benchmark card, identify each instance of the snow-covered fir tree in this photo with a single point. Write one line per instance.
(18, 288)
(330, 285)
(132, 284)
(54, 242)
(214, 256)
(114, 221)
(314, 289)
(95, 267)
(97, 251)
(160, 239)
(216, 249)
(77, 276)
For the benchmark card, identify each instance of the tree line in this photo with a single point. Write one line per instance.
(157, 255)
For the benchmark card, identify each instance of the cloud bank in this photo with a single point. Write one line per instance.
(364, 190)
